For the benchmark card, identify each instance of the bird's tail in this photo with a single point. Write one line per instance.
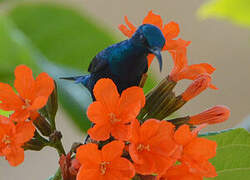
(78, 79)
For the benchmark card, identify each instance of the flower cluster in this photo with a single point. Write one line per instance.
(131, 138)
(18, 129)
(143, 148)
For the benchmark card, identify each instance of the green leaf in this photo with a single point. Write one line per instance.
(232, 160)
(237, 11)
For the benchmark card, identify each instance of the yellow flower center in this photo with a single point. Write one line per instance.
(103, 167)
(142, 147)
(113, 118)
(6, 139)
(27, 103)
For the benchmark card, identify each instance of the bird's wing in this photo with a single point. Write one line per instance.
(101, 60)
(97, 64)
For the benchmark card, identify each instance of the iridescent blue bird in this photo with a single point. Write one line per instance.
(126, 61)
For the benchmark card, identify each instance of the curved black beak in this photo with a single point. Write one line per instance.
(157, 53)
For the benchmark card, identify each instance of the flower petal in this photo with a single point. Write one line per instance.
(112, 150)
(213, 87)
(149, 129)
(154, 19)
(134, 131)
(43, 86)
(183, 135)
(125, 30)
(24, 132)
(38, 103)
(16, 156)
(88, 174)
(200, 149)
(175, 44)
(106, 92)
(130, 25)
(191, 73)
(180, 172)
(97, 113)
(148, 165)
(196, 87)
(162, 163)
(208, 68)
(100, 132)
(130, 103)
(180, 61)
(162, 143)
(89, 156)
(7, 127)
(20, 115)
(171, 30)
(120, 131)
(9, 99)
(4, 120)
(24, 81)
(136, 157)
(124, 166)
(150, 58)
(202, 168)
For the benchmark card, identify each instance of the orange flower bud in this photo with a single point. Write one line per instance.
(197, 86)
(216, 114)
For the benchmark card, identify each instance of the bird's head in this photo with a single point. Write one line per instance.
(151, 38)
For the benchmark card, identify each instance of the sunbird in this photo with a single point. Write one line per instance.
(125, 62)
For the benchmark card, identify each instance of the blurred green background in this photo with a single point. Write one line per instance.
(62, 36)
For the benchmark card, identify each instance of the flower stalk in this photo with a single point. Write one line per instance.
(42, 125)
(55, 141)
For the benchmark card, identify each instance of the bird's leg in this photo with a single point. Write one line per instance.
(143, 80)
(86, 139)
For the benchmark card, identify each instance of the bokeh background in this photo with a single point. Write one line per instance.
(61, 37)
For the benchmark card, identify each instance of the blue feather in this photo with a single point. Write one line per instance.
(126, 61)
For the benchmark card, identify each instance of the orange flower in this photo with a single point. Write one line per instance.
(152, 146)
(105, 164)
(196, 152)
(216, 114)
(180, 172)
(198, 85)
(170, 31)
(12, 137)
(111, 112)
(32, 94)
(182, 70)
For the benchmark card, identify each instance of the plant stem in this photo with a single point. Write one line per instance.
(55, 142)
(60, 149)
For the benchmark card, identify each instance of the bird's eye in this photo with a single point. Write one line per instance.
(141, 37)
